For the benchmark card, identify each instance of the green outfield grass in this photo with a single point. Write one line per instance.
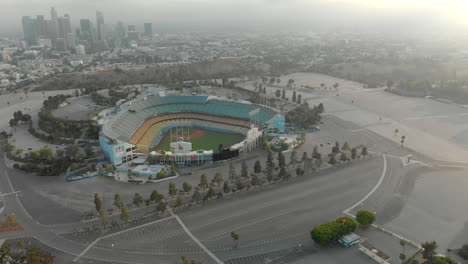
(208, 139)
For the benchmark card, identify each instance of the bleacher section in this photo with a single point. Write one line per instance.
(132, 126)
(153, 129)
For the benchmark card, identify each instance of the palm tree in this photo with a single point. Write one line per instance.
(235, 238)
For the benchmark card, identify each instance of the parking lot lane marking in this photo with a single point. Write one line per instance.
(117, 233)
(200, 244)
(384, 171)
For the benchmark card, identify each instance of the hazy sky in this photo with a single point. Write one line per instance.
(252, 15)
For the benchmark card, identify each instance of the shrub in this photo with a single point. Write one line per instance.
(365, 217)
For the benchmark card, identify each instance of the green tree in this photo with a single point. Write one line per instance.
(282, 173)
(299, 99)
(269, 174)
(364, 151)
(218, 179)
(235, 238)
(402, 257)
(316, 154)
(226, 187)
(278, 93)
(365, 217)
(203, 182)
(326, 233)
(211, 192)
(343, 157)
(137, 199)
(346, 147)
(429, 251)
(346, 225)
(161, 207)
(299, 171)
(179, 201)
(232, 172)
(156, 197)
(97, 202)
(283, 94)
(293, 157)
(332, 159)
(281, 160)
(124, 214)
(270, 162)
(294, 98)
(117, 200)
(336, 148)
(255, 180)
(187, 187)
(353, 153)
(257, 167)
(20, 244)
(403, 244)
(304, 157)
(103, 217)
(196, 197)
(402, 140)
(172, 189)
(244, 170)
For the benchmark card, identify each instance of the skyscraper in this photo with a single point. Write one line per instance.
(86, 30)
(30, 30)
(131, 28)
(54, 19)
(41, 26)
(149, 29)
(64, 26)
(100, 25)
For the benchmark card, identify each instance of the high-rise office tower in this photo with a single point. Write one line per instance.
(64, 26)
(100, 25)
(54, 19)
(30, 30)
(86, 30)
(149, 29)
(119, 34)
(41, 26)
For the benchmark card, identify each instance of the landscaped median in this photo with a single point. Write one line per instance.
(10, 224)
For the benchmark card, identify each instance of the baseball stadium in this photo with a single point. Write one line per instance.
(185, 129)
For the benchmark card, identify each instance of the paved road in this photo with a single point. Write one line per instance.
(275, 218)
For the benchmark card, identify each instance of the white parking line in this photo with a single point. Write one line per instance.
(189, 233)
(346, 211)
(117, 233)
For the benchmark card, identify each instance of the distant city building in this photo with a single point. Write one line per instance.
(100, 25)
(131, 28)
(60, 44)
(148, 29)
(86, 30)
(70, 40)
(64, 26)
(120, 34)
(99, 45)
(45, 42)
(133, 35)
(80, 50)
(54, 22)
(30, 30)
(41, 26)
